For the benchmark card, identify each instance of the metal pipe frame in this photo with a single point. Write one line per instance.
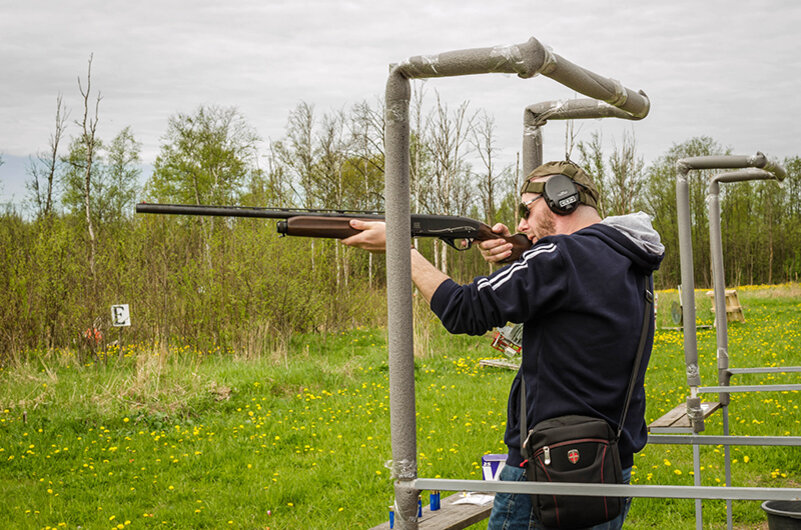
(684, 166)
(747, 171)
(730, 389)
(526, 60)
(538, 114)
(718, 274)
(694, 439)
(766, 370)
(721, 316)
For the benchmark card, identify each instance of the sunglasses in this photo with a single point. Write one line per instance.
(522, 208)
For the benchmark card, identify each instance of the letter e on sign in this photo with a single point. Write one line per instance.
(120, 315)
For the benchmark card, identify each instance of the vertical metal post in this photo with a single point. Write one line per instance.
(403, 425)
(721, 323)
(719, 286)
(532, 147)
(688, 295)
(699, 516)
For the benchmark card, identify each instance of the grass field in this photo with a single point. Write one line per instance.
(172, 438)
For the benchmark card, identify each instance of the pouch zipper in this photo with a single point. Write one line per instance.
(546, 449)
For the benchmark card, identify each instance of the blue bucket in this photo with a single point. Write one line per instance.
(783, 515)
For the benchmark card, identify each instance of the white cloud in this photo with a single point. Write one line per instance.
(728, 69)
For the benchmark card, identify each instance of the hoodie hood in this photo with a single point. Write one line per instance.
(633, 236)
(638, 228)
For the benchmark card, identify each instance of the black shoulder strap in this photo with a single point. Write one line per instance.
(646, 321)
(523, 426)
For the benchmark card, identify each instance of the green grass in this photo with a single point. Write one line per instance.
(174, 438)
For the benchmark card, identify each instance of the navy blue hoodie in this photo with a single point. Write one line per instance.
(581, 300)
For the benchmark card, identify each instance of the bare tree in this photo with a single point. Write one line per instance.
(334, 149)
(449, 135)
(619, 178)
(297, 152)
(43, 170)
(483, 141)
(592, 159)
(276, 187)
(367, 129)
(420, 152)
(89, 142)
(626, 180)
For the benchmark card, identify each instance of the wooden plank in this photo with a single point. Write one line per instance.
(674, 415)
(499, 363)
(677, 417)
(450, 516)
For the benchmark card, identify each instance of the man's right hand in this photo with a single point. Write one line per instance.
(496, 250)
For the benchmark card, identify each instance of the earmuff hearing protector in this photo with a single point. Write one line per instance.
(561, 194)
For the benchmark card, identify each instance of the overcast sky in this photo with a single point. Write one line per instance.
(727, 69)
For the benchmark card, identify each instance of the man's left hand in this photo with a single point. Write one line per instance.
(373, 236)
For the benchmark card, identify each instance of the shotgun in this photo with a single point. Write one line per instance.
(458, 232)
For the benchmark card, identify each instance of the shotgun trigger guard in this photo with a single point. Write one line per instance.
(465, 242)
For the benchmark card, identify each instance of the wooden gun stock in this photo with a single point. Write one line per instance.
(339, 227)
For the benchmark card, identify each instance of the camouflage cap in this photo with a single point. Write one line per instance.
(588, 193)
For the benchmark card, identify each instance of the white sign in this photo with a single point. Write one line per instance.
(120, 315)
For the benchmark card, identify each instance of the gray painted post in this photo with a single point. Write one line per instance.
(403, 425)
(526, 60)
(719, 289)
(718, 273)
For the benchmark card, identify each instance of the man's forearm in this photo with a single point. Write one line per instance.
(426, 276)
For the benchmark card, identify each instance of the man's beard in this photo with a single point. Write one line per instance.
(544, 227)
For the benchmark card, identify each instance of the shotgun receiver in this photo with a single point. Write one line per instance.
(458, 232)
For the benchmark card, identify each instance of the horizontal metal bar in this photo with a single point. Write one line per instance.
(723, 161)
(681, 439)
(765, 370)
(671, 430)
(746, 388)
(610, 490)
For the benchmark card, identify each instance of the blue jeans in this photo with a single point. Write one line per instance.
(513, 511)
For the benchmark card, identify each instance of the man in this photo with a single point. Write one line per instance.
(579, 294)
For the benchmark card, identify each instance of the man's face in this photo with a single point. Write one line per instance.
(539, 222)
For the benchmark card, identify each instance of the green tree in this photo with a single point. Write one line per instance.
(206, 158)
(121, 175)
(788, 218)
(659, 200)
(297, 152)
